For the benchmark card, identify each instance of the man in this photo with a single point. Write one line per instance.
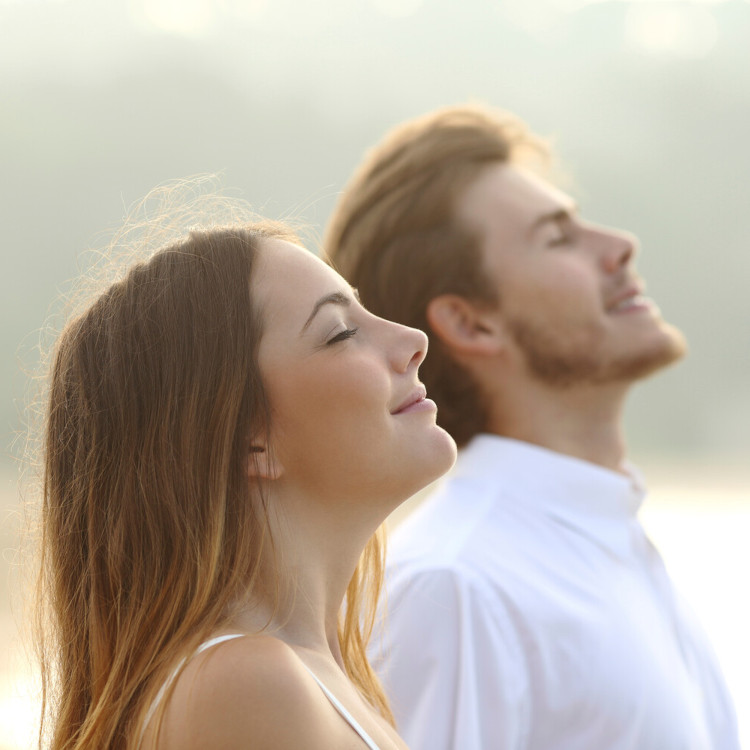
(527, 610)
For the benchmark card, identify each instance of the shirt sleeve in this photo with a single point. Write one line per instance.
(452, 665)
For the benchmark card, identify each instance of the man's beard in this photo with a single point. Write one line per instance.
(567, 364)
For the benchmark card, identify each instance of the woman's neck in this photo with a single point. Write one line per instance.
(305, 575)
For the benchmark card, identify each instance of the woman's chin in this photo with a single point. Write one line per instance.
(437, 458)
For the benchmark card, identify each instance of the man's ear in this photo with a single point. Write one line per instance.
(463, 326)
(261, 462)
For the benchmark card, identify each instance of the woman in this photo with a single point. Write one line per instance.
(227, 428)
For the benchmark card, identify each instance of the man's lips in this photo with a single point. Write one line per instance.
(631, 298)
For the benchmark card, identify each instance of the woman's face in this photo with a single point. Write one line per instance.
(349, 420)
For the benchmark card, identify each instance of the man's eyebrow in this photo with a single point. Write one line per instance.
(559, 214)
(335, 298)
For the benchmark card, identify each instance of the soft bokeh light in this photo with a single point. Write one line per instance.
(180, 17)
(32, 2)
(707, 554)
(686, 30)
(397, 8)
(573, 5)
(250, 11)
(535, 18)
(19, 713)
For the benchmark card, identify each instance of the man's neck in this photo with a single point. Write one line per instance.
(584, 422)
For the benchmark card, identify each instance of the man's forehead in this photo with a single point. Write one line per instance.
(543, 191)
(511, 191)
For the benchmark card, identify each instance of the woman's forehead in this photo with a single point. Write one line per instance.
(288, 280)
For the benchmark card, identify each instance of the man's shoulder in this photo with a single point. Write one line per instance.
(432, 599)
(461, 526)
(479, 541)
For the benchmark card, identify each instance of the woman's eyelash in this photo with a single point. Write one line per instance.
(347, 334)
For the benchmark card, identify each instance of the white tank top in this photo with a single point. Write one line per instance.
(355, 725)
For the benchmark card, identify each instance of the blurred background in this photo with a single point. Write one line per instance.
(647, 101)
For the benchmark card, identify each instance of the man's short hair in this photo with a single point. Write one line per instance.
(395, 237)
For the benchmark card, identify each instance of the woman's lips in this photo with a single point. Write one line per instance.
(416, 401)
(422, 404)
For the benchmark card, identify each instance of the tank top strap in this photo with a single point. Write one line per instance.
(173, 674)
(216, 641)
(355, 725)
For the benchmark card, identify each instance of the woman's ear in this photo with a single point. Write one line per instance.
(464, 327)
(260, 463)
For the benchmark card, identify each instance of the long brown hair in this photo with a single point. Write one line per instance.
(148, 530)
(395, 237)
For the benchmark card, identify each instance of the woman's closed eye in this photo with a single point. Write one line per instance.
(342, 336)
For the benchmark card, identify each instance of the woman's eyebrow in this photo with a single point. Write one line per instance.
(335, 298)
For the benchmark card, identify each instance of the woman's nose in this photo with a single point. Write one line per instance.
(411, 348)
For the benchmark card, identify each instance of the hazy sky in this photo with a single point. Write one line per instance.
(647, 102)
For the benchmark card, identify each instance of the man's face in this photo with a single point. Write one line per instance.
(569, 294)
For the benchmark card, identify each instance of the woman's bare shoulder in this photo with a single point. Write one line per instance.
(251, 691)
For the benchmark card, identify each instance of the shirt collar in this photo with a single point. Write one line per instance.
(598, 502)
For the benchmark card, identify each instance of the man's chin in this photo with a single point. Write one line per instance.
(629, 368)
(674, 348)
(670, 348)
(573, 366)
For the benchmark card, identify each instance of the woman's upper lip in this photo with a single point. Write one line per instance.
(418, 394)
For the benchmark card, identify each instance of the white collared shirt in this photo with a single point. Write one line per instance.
(527, 610)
